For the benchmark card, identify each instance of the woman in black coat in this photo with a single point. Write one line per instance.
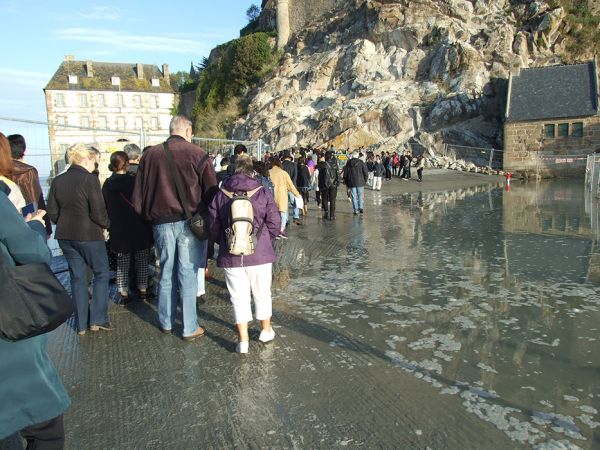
(129, 232)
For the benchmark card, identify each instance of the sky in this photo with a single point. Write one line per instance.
(36, 35)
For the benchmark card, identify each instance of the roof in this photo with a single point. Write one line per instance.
(102, 74)
(554, 92)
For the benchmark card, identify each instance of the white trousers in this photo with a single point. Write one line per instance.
(377, 183)
(245, 284)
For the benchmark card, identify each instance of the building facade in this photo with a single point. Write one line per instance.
(99, 103)
(552, 121)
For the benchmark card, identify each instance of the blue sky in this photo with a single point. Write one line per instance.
(36, 35)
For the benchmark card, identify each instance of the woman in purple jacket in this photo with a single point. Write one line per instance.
(247, 276)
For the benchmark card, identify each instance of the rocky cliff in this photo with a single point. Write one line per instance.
(388, 72)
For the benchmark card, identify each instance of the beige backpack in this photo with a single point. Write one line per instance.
(240, 237)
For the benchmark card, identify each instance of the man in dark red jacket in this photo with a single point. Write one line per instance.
(155, 198)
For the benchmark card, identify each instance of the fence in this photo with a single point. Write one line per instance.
(47, 142)
(490, 157)
(592, 173)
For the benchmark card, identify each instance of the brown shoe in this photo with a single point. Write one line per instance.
(199, 332)
(103, 326)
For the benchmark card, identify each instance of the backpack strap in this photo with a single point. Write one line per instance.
(248, 193)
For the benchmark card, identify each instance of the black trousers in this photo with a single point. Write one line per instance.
(420, 174)
(49, 435)
(328, 196)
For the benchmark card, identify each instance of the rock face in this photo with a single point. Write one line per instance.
(381, 73)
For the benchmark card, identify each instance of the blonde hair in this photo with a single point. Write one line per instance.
(78, 152)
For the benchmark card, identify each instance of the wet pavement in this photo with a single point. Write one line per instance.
(452, 315)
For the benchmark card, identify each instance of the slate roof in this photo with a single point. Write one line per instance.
(102, 74)
(554, 92)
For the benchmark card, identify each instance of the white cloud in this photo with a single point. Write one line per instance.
(126, 42)
(101, 13)
(9, 76)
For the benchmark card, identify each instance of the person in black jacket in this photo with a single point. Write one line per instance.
(76, 206)
(355, 178)
(378, 173)
(328, 183)
(303, 182)
(129, 233)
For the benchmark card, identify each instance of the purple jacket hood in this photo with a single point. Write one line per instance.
(266, 219)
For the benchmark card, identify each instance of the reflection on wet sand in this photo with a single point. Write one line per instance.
(485, 294)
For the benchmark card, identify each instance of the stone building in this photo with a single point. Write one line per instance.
(98, 103)
(552, 120)
(291, 16)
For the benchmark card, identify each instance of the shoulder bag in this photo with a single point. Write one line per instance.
(199, 222)
(32, 301)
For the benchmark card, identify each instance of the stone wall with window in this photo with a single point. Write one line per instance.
(550, 147)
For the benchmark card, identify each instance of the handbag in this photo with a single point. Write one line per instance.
(32, 301)
(199, 222)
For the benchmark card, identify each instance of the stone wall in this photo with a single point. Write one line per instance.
(527, 151)
(302, 12)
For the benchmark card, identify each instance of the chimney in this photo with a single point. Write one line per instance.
(139, 68)
(69, 58)
(166, 72)
(515, 67)
(89, 69)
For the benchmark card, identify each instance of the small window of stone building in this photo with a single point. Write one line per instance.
(577, 129)
(137, 101)
(155, 123)
(115, 81)
(100, 98)
(85, 121)
(549, 130)
(120, 102)
(563, 129)
(155, 82)
(83, 102)
(102, 122)
(72, 79)
(60, 100)
(121, 123)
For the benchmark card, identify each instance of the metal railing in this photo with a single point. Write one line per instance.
(490, 157)
(47, 142)
(592, 173)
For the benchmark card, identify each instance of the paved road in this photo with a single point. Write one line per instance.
(327, 381)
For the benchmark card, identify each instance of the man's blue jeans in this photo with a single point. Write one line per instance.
(292, 201)
(180, 254)
(357, 194)
(80, 255)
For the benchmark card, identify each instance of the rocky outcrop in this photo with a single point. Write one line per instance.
(382, 73)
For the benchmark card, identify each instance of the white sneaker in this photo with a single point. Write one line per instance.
(266, 336)
(242, 347)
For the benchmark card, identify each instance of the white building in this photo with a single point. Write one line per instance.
(98, 102)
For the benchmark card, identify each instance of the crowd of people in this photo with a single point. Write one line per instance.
(143, 208)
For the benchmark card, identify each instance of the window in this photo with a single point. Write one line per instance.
(120, 101)
(72, 79)
(155, 82)
(100, 99)
(155, 123)
(139, 123)
(121, 123)
(59, 100)
(549, 131)
(577, 129)
(154, 102)
(83, 101)
(563, 129)
(102, 122)
(61, 120)
(85, 121)
(137, 101)
(116, 81)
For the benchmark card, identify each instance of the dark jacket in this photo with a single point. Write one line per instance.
(355, 173)
(328, 174)
(292, 169)
(266, 216)
(378, 169)
(129, 232)
(155, 196)
(28, 180)
(303, 180)
(76, 206)
(31, 390)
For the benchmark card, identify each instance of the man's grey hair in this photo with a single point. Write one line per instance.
(355, 155)
(179, 123)
(133, 151)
